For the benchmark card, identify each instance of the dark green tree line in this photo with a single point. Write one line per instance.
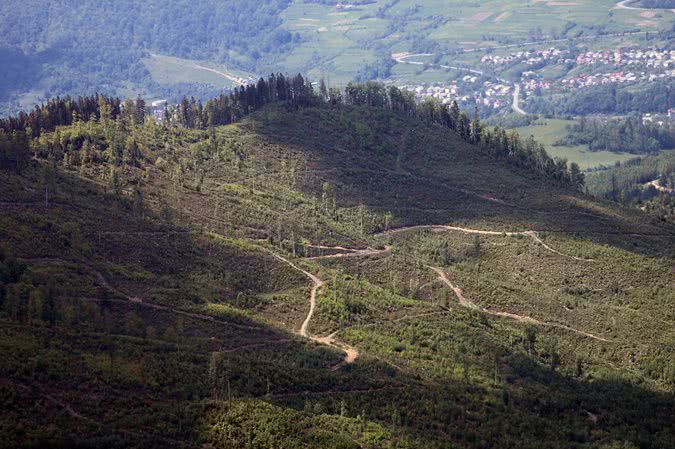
(297, 92)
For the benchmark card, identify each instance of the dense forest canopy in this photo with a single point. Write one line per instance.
(655, 96)
(620, 134)
(196, 30)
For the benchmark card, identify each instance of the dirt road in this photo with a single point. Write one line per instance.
(225, 75)
(464, 302)
(402, 58)
(349, 252)
(351, 353)
(103, 282)
(531, 234)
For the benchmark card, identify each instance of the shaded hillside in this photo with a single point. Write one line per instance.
(251, 285)
(425, 174)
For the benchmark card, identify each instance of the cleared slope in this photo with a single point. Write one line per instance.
(199, 241)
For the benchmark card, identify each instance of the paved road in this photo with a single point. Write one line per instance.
(516, 101)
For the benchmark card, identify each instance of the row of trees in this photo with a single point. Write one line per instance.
(531, 155)
(298, 92)
(226, 109)
(62, 111)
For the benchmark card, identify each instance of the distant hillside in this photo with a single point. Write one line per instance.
(87, 46)
(53, 48)
(323, 274)
(657, 3)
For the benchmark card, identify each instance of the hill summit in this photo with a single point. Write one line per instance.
(291, 267)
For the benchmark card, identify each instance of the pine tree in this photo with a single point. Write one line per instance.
(114, 182)
(48, 181)
(131, 152)
(139, 111)
(323, 90)
(577, 178)
(475, 128)
(454, 115)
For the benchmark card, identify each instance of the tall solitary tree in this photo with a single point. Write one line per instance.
(48, 181)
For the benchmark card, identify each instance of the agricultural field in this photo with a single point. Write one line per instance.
(340, 41)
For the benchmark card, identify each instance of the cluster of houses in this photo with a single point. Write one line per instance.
(532, 85)
(446, 94)
(341, 5)
(598, 79)
(489, 94)
(659, 119)
(651, 57)
(554, 55)
(654, 64)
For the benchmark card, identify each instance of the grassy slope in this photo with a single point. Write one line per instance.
(440, 375)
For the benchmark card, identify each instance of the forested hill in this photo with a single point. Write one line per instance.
(295, 92)
(298, 267)
(659, 4)
(187, 29)
(91, 46)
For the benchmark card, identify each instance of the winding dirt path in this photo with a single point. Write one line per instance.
(657, 185)
(463, 301)
(351, 353)
(70, 411)
(349, 252)
(531, 234)
(67, 408)
(402, 58)
(225, 75)
(318, 283)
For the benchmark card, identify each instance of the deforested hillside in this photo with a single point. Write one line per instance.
(321, 273)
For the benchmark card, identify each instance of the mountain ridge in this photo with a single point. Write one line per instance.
(147, 300)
